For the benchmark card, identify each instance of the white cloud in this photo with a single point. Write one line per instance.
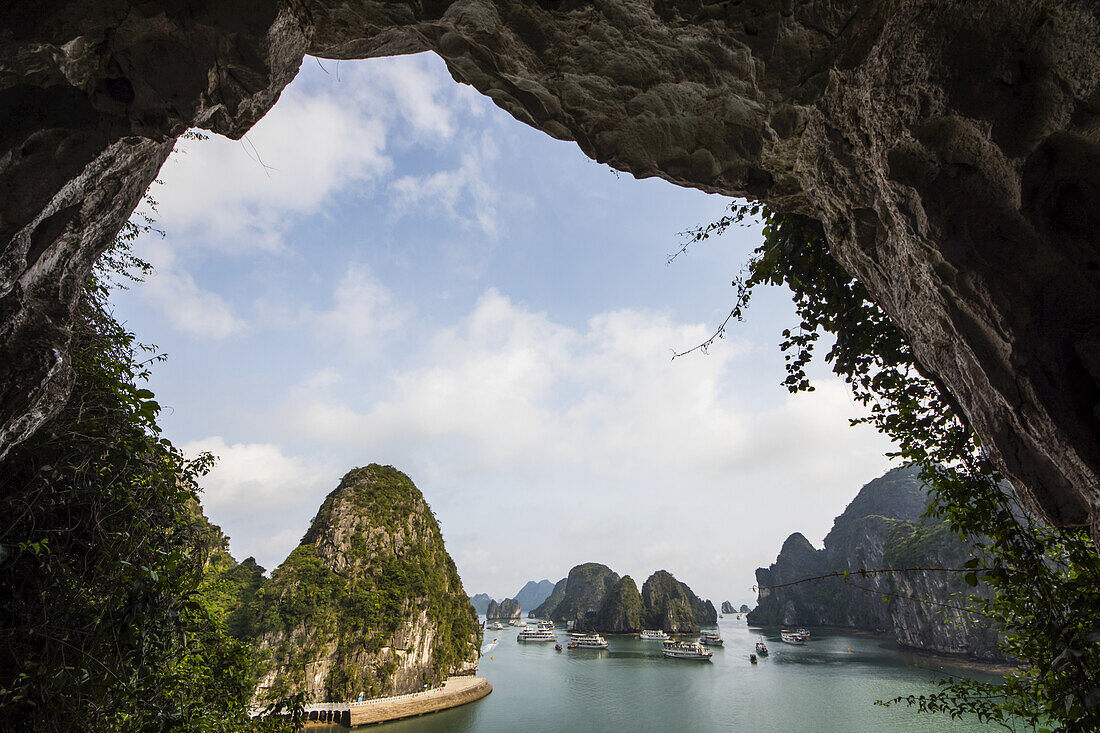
(187, 306)
(262, 498)
(509, 407)
(464, 194)
(362, 308)
(242, 195)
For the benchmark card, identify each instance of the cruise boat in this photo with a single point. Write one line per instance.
(791, 637)
(686, 650)
(546, 625)
(658, 635)
(495, 626)
(536, 635)
(761, 648)
(803, 632)
(589, 641)
(709, 639)
(518, 622)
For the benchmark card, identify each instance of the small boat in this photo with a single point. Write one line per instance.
(589, 641)
(709, 639)
(496, 626)
(761, 648)
(752, 658)
(536, 635)
(791, 637)
(686, 650)
(658, 635)
(518, 622)
(803, 632)
(557, 647)
(721, 616)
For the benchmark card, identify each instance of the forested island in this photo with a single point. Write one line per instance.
(593, 597)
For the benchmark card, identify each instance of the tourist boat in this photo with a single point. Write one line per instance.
(709, 639)
(752, 658)
(496, 626)
(536, 635)
(761, 648)
(721, 616)
(518, 622)
(658, 635)
(589, 641)
(791, 637)
(686, 650)
(557, 647)
(803, 632)
(546, 625)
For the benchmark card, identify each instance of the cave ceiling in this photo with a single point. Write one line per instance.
(951, 150)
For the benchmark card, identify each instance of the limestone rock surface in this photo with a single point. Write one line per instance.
(950, 148)
(369, 603)
(881, 528)
(727, 607)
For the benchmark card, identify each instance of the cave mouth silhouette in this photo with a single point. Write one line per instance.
(949, 152)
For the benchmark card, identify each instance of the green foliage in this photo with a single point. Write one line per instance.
(393, 566)
(103, 627)
(1043, 584)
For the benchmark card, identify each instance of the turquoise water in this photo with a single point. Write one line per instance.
(828, 685)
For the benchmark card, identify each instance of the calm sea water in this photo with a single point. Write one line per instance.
(829, 685)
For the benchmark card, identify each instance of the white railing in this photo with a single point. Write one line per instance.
(406, 696)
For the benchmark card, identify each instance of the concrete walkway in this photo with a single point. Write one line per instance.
(454, 692)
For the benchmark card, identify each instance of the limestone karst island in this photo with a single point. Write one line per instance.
(462, 366)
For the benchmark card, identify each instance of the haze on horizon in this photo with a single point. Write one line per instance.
(390, 269)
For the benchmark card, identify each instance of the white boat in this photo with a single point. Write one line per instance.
(518, 622)
(495, 626)
(536, 635)
(803, 632)
(686, 650)
(546, 625)
(792, 637)
(709, 639)
(761, 648)
(588, 641)
(658, 635)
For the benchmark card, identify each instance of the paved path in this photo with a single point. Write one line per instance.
(455, 691)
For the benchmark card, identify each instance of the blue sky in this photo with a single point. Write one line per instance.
(390, 269)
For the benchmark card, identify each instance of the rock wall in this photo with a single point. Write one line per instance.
(922, 609)
(951, 149)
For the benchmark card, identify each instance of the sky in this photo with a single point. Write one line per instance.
(390, 269)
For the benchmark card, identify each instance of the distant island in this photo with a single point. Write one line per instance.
(594, 598)
(882, 527)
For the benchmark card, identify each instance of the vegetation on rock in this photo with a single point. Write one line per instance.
(544, 609)
(102, 554)
(370, 600)
(669, 604)
(1043, 582)
(585, 588)
(621, 611)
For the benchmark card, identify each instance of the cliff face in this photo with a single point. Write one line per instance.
(621, 611)
(533, 594)
(670, 605)
(585, 588)
(544, 609)
(506, 610)
(881, 528)
(727, 607)
(369, 602)
(963, 195)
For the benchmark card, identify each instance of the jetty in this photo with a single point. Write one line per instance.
(454, 692)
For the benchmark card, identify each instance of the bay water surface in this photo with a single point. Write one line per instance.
(828, 685)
